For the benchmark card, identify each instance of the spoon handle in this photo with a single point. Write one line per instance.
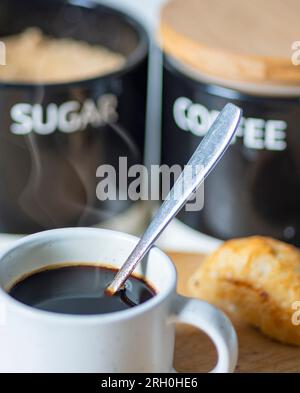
(208, 153)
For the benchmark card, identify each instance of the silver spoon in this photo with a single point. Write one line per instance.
(208, 153)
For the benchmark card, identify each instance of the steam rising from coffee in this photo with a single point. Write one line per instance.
(65, 137)
(69, 178)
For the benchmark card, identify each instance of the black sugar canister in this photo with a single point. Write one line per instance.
(55, 135)
(217, 52)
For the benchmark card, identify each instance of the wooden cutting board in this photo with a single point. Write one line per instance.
(257, 353)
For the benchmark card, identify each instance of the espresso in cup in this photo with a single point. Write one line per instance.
(79, 290)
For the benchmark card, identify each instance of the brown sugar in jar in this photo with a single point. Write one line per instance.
(32, 56)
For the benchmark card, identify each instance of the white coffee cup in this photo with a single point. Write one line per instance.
(140, 339)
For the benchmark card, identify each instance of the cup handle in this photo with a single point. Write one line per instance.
(214, 323)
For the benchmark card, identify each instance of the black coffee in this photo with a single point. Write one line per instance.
(79, 290)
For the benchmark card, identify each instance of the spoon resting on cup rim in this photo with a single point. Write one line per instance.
(205, 158)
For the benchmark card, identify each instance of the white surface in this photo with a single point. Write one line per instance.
(177, 237)
(7, 240)
(180, 237)
(136, 340)
(145, 10)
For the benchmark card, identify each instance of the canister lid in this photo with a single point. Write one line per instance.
(252, 41)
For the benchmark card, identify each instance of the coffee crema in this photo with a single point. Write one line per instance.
(79, 290)
(33, 57)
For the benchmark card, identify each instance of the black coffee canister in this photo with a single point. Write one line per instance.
(55, 136)
(255, 189)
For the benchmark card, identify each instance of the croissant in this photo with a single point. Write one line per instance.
(258, 280)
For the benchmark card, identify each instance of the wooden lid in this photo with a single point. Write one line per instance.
(241, 41)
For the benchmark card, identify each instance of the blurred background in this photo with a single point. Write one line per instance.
(146, 83)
